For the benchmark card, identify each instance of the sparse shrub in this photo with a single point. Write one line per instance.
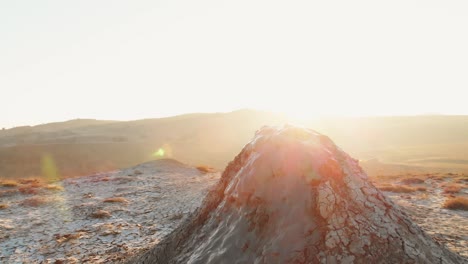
(397, 188)
(115, 200)
(53, 187)
(452, 188)
(457, 203)
(28, 181)
(3, 206)
(101, 179)
(412, 181)
(35, 201)
(205, 169)
(9, 183)
(438, 178)
(88, 195)
(67, 237)
(37, 185)
(28, 190)
(421, 189)
(101, 214)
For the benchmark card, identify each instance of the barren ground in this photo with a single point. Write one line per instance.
(73, 225)
(78, 224)
(425, 207)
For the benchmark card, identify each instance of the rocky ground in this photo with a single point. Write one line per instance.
(107, 217)
(100, 218)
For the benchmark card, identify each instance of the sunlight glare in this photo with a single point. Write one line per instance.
(49, 168)
(165, 151)
(159, 153)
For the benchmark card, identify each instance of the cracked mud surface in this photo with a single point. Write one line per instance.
(157, 197)
(292, 196)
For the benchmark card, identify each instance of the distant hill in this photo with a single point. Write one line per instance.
(75, 123)
(79, 150)
(418, 141)
(80, 147)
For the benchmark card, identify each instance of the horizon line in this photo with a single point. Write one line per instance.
(312, 118)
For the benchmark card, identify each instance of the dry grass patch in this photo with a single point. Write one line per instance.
(396, 188)
(101, 214)
(28, 190)
(100, 179)
(115, 200)
(4, 206)
(32, 181)
(412, 181)
(421, 189)
(53, 187)
(35, 201)
(67, 237)
(452, 188)
(29, 181)
(422, 196)
(438, 178)
(38, 185)
(205, 169)
(88, 195)
(457, 203)
(9, 183)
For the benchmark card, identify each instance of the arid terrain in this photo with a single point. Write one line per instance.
(50, 210)
(234, 132)
(385, 145)
(98, 218)
(430, 201)
(110, 216)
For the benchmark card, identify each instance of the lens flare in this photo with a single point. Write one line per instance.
(51, 173)
(165, 151)
(49, 169)
(159, 153)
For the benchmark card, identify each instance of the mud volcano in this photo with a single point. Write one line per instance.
(293, 196)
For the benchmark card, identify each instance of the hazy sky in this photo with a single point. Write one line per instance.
(137, 59)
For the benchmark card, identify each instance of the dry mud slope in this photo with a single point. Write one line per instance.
(292, 196)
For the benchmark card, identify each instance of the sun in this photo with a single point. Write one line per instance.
(301, 113)
(303, 109)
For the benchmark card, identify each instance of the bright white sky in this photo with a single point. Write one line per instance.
(122, 60)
